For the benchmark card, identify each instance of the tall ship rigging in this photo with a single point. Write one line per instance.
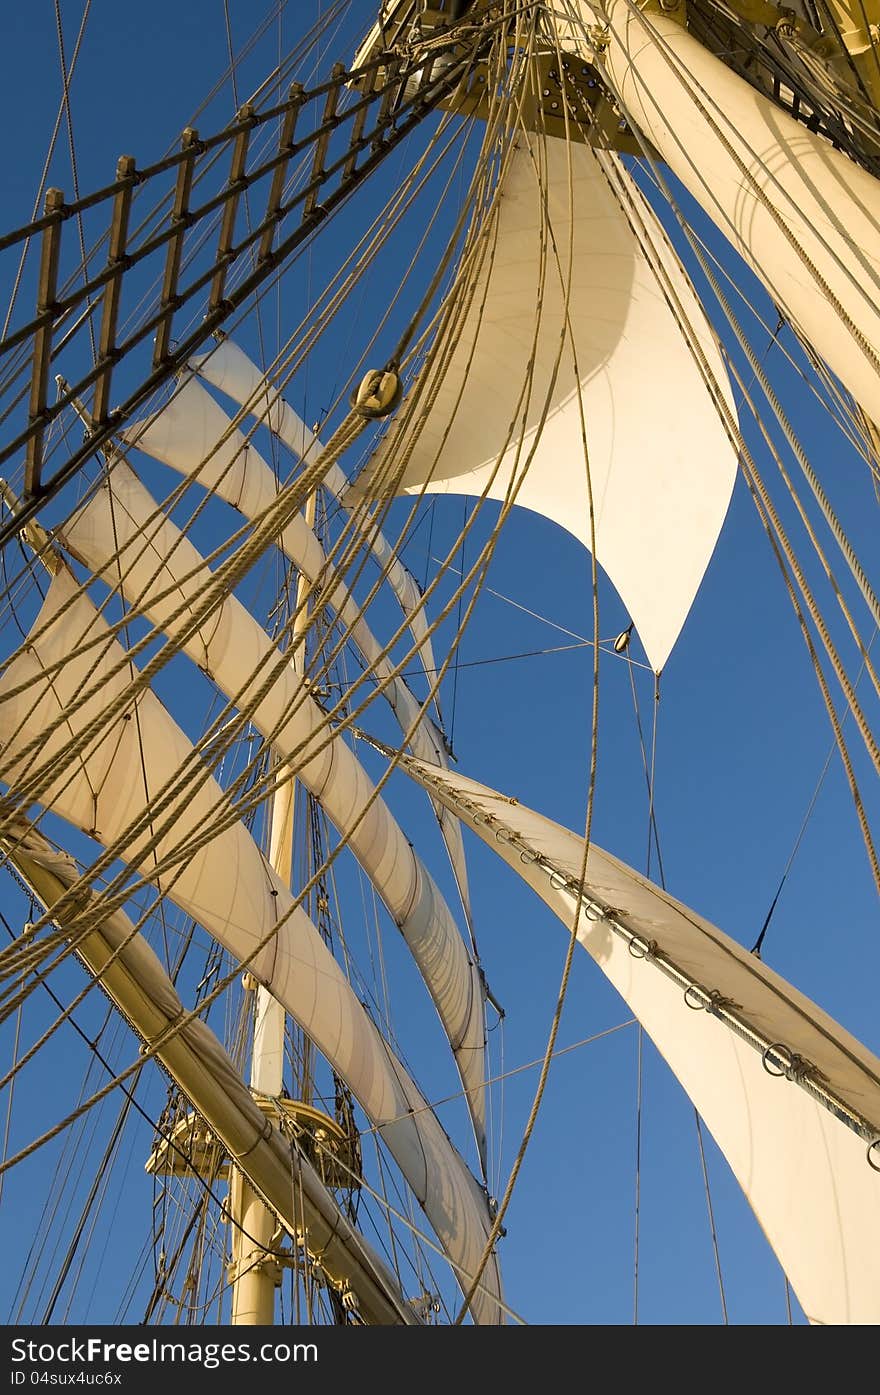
(438, 706)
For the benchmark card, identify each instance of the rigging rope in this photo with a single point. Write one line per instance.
(460, 628)
(67, 77)
(774, 529)
(757, 946)
(572, 940)
(638, 1196)
(481, 559)
(711, 1218)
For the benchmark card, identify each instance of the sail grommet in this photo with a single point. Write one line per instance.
(695, 1005)
(594, 913)
(558, 880)
(872, 1149)
(642, 949)
(783, 1059)
(378, 394)
(528, 856)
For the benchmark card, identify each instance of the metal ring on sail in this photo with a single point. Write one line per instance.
(797, 1150)
(777, 1059)
(696, 997)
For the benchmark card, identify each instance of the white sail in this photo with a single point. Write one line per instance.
(194, 436)
(730, 1029)
(660, 465)
(225, 883)
(121, 534)
(137, 982)
(805, 217)
(229, 369)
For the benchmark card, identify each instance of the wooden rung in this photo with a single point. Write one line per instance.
(338, 74)
(279, 174)
(392, 88)
(125, 169)
(47, 290)
(360, 120)
(189, 144)
(230, 208)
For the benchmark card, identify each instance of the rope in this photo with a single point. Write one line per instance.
(638, 1196)
(692, 89)
(826, 697)
(67, 76)
(778, 537)
(65, 83)
(117, 1080)
(572, 941)
(711, 1219)
(647, 766)
(757, 946)
(514, 1070)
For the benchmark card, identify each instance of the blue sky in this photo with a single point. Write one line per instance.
(742, 742)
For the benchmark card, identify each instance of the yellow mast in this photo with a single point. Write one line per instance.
(254, 1274)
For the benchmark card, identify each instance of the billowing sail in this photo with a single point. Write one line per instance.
(602, 342)
(135, 785)
(792, 1100)
(121, 534)
(805, 217)
(193, 435)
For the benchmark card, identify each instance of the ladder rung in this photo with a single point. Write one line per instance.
(189, 143)
(47, 289)
(360, 120)
(328, 119)
(113, 289)
(279, 174)
(230, 208)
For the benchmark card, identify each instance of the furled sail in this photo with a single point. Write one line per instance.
(193, 435)
(804, 216)
(133, 784)
(136, 981)
(792, 1100)
(661, 468)
(121, 534)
